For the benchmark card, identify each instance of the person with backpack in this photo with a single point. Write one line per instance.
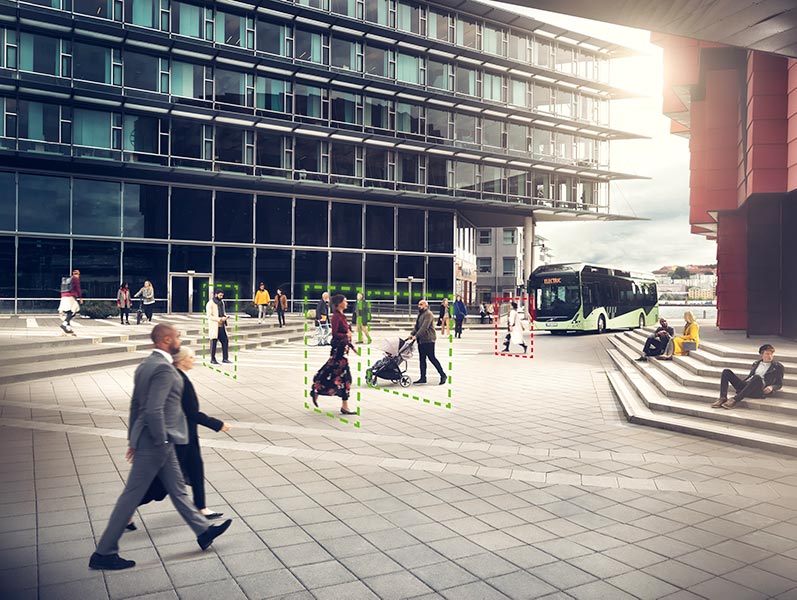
(71, 299)
(124, 303)
(460, 312)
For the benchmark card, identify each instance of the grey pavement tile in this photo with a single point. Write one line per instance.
(18, 539)
(272, 584)
(251, 562)
(710, 562)
(134, 582)
(495, 540)
(677, 573)
(203, 570)
(478, 590)
(19, 557)
(641, 585)
(562, 575)
(236, 543)
(487, 565)
(455, 548)
(394, 586)
(443, 575)
(418, 555)
(285, 536)
(350, 545)
(354, 590)
(598, 590)
(323, 574)
(266, 521)
(779, 565)
(762, 581)
(302, 554)
(563, 548)
(740, 551)
(521, 584)
(722, 588)
(600, 565)
(65, 571)
(768, 541)
(85, 589)
(667, 546)
(430, 532)
(370, 565)
(682, 595)
(13, 582)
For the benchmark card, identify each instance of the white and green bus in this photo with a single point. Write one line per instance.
(582, 297)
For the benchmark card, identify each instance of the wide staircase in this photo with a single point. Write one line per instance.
(677, 395)
(99, 348)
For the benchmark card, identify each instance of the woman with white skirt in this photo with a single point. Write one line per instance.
(514, 325)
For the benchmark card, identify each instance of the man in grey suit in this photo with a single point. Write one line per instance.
(157, 423)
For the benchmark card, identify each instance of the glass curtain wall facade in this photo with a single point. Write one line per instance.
(258, 147)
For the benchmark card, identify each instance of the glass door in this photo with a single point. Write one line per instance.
(189, 291)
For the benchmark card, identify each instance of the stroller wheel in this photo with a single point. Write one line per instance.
(406, 381)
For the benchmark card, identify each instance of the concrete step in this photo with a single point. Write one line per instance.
(635, 394)
(678, 370)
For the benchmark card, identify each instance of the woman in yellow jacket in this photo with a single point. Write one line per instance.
(691, 334)
(262, 300)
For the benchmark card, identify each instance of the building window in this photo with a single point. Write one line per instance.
(311, 218)
(188, 80)
(509, 266)
(510, 236)
(270, 149)
(438, 75)
(377, 61)
(493, 87)
(518, 95)
(408, 170)
(465, 127)
(141, 71)
(493, 42)
(230, 87)
(378, 11)
(39, 54)
(229, 145)
(347, 227)
(310, 46)
(92, 128)
(344, 107)
(467, 81)
(344, 7)
(187, 19)
(518, 137)
(142, 12)
(343, 159)
(493, 133)
(467, 33)
(437, 171)
(379, 232)
(38, 121)
(94, 8)
(145, 211)
(271, 38)
(376, 164)
(274, 223)
(308, 101)
(140, 134)
(344, 54)
(307, 155)
(408, 17)
(233, 217)
(439, 25)
(191, 214)
(270, 94)
(91, 63)
(437, 123)
(492, 179)
(230, 30)
(408, 117)
(96, 207)
(407, 68)
(186, 138)
(377, 113)
(518, 46)
(34, 188)
(441, 231)
(485, 237)
(484, 264)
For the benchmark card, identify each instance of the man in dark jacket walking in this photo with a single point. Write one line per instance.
(424, 334)
(764, 378)
(322, 319)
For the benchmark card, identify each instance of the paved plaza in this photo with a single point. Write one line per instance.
(531, 485)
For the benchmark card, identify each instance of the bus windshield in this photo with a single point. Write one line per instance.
(556, 295)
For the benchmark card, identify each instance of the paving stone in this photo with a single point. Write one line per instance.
(134, 582)
(487, 565)
(302, 554)
(521, 584)
(354, 590)
(722, 588)
(562, 575)
(185, 574)
(642, 585)
(600, 565)
(598, 590)
(271, 584)
(677, 573)
(396, 585)
(473, 591)
(229, 590)
(85, 589)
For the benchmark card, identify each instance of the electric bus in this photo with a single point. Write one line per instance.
(582, 297)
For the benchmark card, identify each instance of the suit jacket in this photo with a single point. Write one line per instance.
(322, 309)
(156, 413)
(773, 377)
(190, 404)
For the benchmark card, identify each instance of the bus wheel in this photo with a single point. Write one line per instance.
(641, 321)
(601, 325)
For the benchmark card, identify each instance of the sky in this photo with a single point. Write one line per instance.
(665, 238)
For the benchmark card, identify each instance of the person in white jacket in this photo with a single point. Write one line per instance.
(217, 327)
(514, 325)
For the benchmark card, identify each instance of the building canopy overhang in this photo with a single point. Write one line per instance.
(765, 25)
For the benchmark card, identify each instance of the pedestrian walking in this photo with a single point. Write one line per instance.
(262, 300)
(156, 424)
(322, 320)
(124, 303)
(217, 327)
(334, 378)
(482, 313)
(281, 304)
(460, 312)
(444, 318)
(71, 299)
(360, 318)
(424, 334)
(147, 295)
(514, 326)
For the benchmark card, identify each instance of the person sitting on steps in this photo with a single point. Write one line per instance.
(765, 377)
(656, 343)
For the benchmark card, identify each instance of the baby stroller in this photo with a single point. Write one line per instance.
(394, 364)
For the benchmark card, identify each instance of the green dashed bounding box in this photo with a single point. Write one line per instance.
(234, 288)
(348, 421)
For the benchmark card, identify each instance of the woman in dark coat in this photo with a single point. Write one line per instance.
(334, 378)
(188, 455)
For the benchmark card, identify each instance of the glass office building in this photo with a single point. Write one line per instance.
(318, 143)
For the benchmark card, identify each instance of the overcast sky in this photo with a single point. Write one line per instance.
(663, 199)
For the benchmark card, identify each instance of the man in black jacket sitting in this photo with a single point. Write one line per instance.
(765, 377)
(657, 343)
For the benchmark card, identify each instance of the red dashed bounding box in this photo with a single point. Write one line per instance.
(500, 333)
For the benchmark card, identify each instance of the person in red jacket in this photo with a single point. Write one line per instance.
(334, 378)
(70, 303)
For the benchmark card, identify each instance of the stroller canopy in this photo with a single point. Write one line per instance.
(397, 347)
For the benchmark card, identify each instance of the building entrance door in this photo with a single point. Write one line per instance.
(408, 291)
(189, 291)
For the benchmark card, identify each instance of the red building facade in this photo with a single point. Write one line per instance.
(739, 110)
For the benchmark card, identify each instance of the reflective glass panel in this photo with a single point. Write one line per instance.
(274, 223)
(191, 215)
(91, 128)
(379, 229)
(492, 133)
(347, 225)
(518, 46)
(93, 8)
(437, 74)
(230, 29)
(465, 128)
(270, 152)
(311, 268)
(343, 54)
(376, 163)
(146, 262)
(273, 267)
(467, 32)
(408, 117)
(36, 191)
(229, 144)
(234, 266)
(271, 37)
(190, 258)
(407, 68)
(518, 137)
(230, 87)
(412, 226)
(307, 100)
(141, 71)
(270, 94)
(311, 220)
(379, 276)
(96, 207)
(233, 214)
(91, 63)
(145, 211)
(407, 164)
(376, 61)
(493, 40)
(343, 158)
(8, 201)
(40, 266)
(39, 54)
(142, 12)
(141, 134)
(437, 169)
(99, 267)
(438, 25)
(309, 46)
(307, 155)
(344, 7)
(440, 276)
(187, 19)
(437, 123)
(345, 275)
(466, 81)
(8, 266)
(377, 11)
(186, 138)
(344, 106)
(493, 87)
(518, 93)
(38, 121)
(492, 179)
(377, 113)
(188, 80)
(408, 17)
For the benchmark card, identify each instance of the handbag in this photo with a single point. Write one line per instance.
(688, 346)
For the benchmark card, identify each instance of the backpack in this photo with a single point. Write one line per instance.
(66, 284)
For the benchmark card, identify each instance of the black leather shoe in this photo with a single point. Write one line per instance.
(420, 381)
(347, 412)
(131, 526)
(214, 515)
(206, 539)
(227, 362)
(110, 562)
(214, 362)
(443, 379)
